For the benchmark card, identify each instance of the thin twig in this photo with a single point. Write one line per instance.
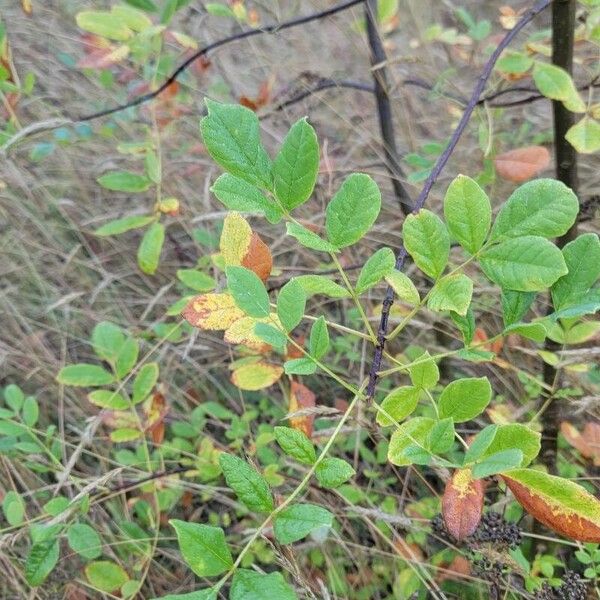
(538, 7)
(384, 107)
(275, 28)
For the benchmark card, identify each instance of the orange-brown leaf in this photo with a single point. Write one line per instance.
(215, 312)
(462, 503)
(522, 164)
(301, 398)
(156, 410)
(560, 504)
(587, 441)
(258, 257)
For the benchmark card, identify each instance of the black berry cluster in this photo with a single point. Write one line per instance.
(572, 588)
(494, 529)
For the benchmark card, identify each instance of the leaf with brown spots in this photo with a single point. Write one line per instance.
(558, 503)
(522, 164)
(214, 312)
(462, 503)
(301, 399)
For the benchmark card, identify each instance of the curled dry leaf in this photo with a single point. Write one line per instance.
(522, 164)
(587, 441)
(462, 503)
(558, 503)
(301, 398)
(156, 410)
(215, 312)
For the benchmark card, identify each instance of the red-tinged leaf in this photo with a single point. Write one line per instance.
(458, 569)
(293, 352)
(302, 399)
(258, 257)
(462, 503)
(558, 503)
(587, 441)
(263, 97)
(522, 164)
(156, 410)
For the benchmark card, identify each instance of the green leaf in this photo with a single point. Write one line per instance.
(375, 269)
(144, 382)
(31, 411)
(106, 575)
(249, 485)
(515, 305)
(515, 63)
(403, 287)
(250, 585)
(237, 194)
(13, 508)
(298, 520)
(309, 239)
(480, 443)
(125, 434)
(465, 324)
(207, 594)
(84, 375)
(14, 396)
(464, 399)
(56, 506)
(468, 213)
(300, 366)
(108, 399)
(296, 166)
(497, 463)
(124, 181)
(427, 240)
(332, 472)
(146, 5)
(41, 560)
(248, 291)
(84, 540)
(127, 357)
(410, 433)
(203, 548)
(515, 435)
(124, 224)
(532, 331)
(353, 210)
(398, 404)
(231, 134)
(526, 264)
(295, 444)
(319, 338)
(425, 374)
(582, 257)
(542, 207)
(555, 83)
(150, 248)
(196, 280)
(452, 292)
(271, 335)
(107, 340)
(291, 303)
(104, 24)
(317, 284)
(585, 136)
(441, 437)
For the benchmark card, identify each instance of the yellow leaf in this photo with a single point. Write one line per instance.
(215, 312)
(242, 332)
(256, 376)
(235, 239)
